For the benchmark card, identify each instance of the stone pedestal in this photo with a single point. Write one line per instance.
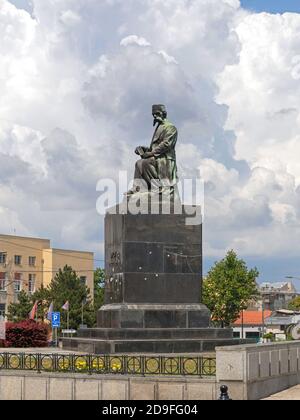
(153, 288)
(154, 272)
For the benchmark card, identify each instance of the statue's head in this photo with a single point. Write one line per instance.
(159, 113)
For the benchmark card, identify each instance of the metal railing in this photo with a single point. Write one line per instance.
(122, 365)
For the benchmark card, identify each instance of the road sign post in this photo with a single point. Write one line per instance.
(56, 324)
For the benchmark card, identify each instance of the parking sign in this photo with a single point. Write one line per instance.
(55, 319)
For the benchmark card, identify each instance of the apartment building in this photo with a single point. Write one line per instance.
(28, 263)
(276, 296)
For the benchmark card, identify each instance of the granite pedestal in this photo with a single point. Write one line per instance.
(153, 288)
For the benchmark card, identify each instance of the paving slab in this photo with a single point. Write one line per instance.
(292, 394)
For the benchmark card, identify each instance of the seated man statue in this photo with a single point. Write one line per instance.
(157, 169)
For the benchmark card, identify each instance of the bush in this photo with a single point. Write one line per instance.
(26, 334)
(270, 337)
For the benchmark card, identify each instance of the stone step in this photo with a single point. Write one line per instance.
(97, 346)
(152, 333)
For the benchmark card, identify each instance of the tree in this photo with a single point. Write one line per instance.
(18, 312)
(66, 286)
(294, 304)
(99, 284)
(228, 288)
(42, 296)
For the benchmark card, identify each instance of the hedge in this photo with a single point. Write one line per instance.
(26, 334)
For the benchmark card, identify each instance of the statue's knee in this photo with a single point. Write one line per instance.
(146, 164)
(138, 164)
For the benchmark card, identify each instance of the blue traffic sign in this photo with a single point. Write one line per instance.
(55, 319)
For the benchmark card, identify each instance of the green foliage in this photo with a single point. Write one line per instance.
(270, 337)
(294, 305)
(19, 311)
(228, 288)
(99, 283)
(66, 286)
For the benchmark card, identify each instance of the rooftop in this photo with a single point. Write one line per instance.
(29, 238)
(285, 286)
(252, 318)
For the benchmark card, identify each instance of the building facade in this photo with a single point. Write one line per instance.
(273, 296)
(29, 263)
(276, 296)
(281, 321)
(251, 324)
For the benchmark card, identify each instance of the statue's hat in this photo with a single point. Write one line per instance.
(161, 108)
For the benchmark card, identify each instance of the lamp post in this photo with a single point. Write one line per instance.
(242, 324)
(263, 319)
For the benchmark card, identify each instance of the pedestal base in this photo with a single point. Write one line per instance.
(128, 329)
(154, 316)
(153, 341)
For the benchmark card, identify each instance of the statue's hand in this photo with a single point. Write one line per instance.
(148, 155)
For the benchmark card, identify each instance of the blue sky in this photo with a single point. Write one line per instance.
(270, 269)
(22, 4)
(272, 6)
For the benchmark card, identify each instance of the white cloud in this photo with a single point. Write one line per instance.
(76, 93)
(70, 18)
(169, 59)
(134, 40)
(261, 93)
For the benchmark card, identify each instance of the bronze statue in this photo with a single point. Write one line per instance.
(157, 169)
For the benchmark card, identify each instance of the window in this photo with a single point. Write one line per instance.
(3, 278)
(32, 261)
(31, 283)
(83, 280)
(18, 282)
(254, 335)
(18, 260)
(3, 256)
(236, 334)
(282, 327)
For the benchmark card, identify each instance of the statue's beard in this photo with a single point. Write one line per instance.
(157, 120)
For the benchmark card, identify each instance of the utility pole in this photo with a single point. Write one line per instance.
(243, 324)
(263, 318)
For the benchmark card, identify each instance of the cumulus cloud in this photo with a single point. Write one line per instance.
(261, 93)
(134, 40)
(77, 83)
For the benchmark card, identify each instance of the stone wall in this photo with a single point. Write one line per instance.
(34, 386)
(251, 372)
(255, 372)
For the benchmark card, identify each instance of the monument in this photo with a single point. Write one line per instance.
(153, 263)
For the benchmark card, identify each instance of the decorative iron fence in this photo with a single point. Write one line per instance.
(122, 365)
